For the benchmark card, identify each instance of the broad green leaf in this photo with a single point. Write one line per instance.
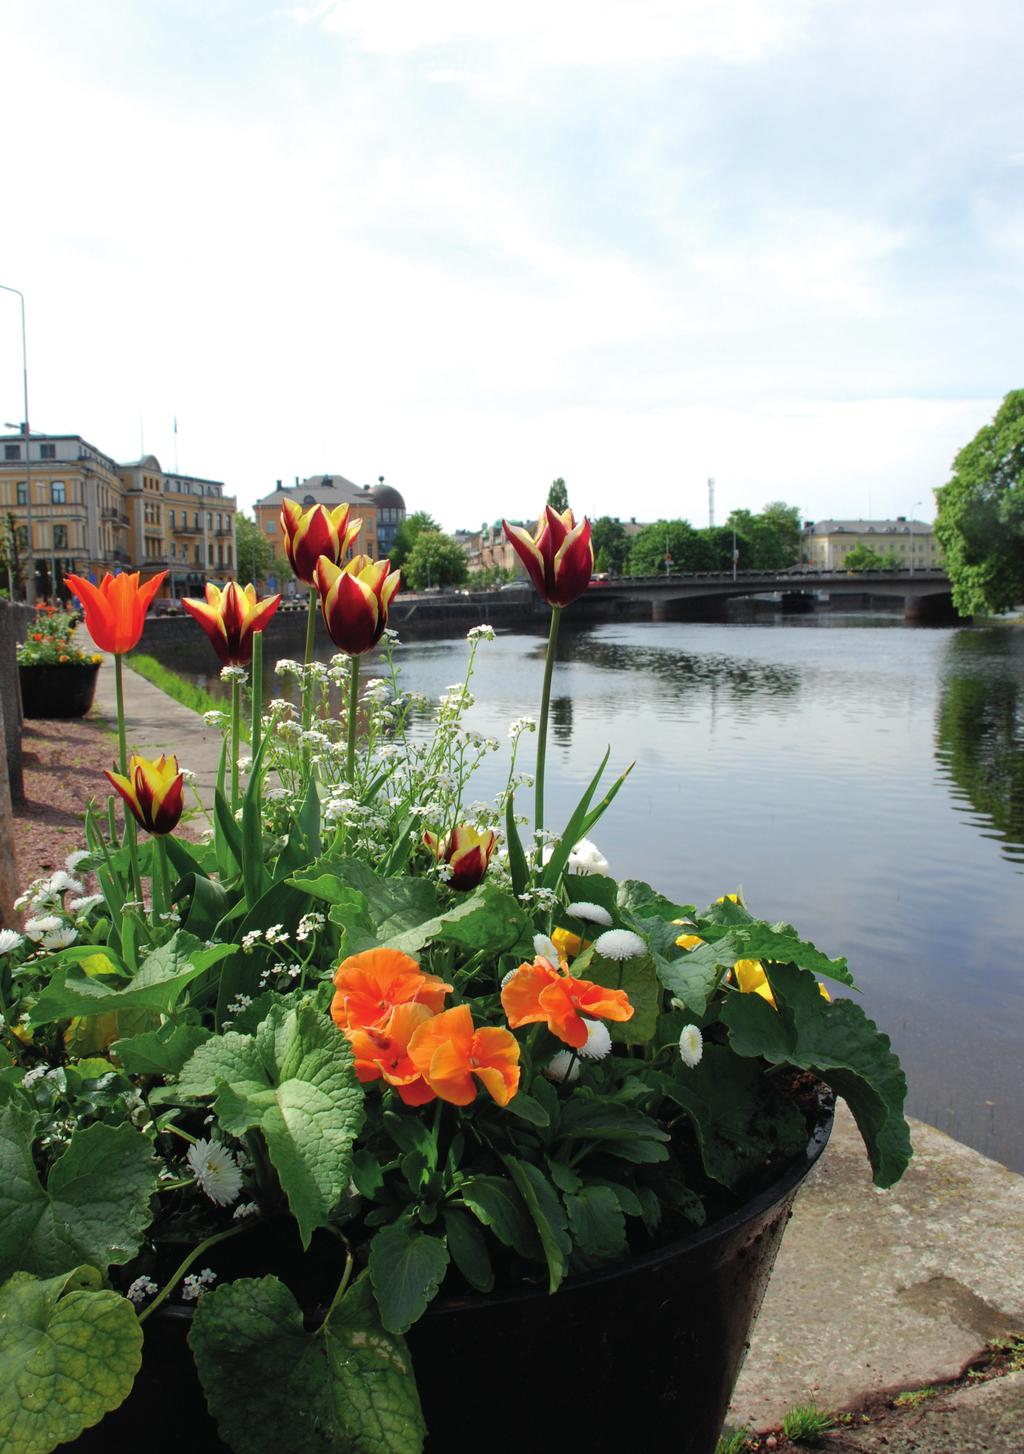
(94, 1207)
(639, 899)
(496, 1203)
(393, 904)
(838, 1042)
(275, 1388)
(545, 1207)
(527, 1109)
(162, 976)
(695, 974)
(281, 904)
(295, 1082)
(737, 1118)
(159, 1052)
(208, 902)
(468, 1248)
(597, 1225)
(639, 978)
(781, 944)
(69, 1351)
(602, 1120)
(406, 1269)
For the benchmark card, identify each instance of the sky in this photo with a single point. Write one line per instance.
(471, 247)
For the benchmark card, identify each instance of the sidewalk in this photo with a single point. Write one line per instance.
(872, 1292)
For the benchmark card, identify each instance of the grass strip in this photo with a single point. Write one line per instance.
(196, 698)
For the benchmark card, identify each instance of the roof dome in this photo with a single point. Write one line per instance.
(385, 497)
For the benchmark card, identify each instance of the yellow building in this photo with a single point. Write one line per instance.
(91, 515)
(380, 507)
(826, 543)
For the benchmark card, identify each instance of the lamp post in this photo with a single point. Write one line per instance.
(910, 527)
(30, 580)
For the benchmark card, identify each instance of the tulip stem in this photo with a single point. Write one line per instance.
(236, 712)
(542, 732)
(161, 879)
(122, 745)
(353, 713)
(256, 683)
(307, 685)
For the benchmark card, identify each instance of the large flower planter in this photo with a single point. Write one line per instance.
(58, 691)
(641, 1357)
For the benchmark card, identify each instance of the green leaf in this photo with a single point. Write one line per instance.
(496, 1203)
(69, 1350)
(294, 1081)
(603, 1120)
(638, 898)
(782, 944)
(639, 978)
(573, 829)
(393, 904)
(94, 1207)
(227, 837)
(468, 1248)
(254, 872)
(839, 1043)
(527, 1109)
(273, 1388)
(545, 1207)
(597, 1225)
(163, 975)
(406, 1269)
(694, 976)
(737, 1118)
(159, 1052)
(207, 901)
(519, 869)
(281, 904)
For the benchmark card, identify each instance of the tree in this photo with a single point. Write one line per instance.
(558, 495)
(411, 528)
(11, 559)
(862, 557)
(254, 552)
(675, 538)
(980, 524)
(435, 560)
(611, 544)
(769, 541)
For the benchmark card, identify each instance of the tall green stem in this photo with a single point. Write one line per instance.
(236, 713)
(307, 686)
(161, 879)
(122, 744)
(257, 691)
(542, 727)
(353, 714)
(186, 1263)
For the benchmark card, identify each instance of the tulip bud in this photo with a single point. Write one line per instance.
(231, 618)
(559, 557)
(354, 600)
(153, 792)
(466, 852)
(309, 534)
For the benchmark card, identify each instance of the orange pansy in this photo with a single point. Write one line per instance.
(368, 986)
(448, 1052)
(538, 992)
(384, 1052)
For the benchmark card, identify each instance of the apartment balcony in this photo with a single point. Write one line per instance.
(187, 529)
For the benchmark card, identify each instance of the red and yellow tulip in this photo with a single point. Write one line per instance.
(451, 1055)
(309, 534)
(153, 791)
(354, 599)
(559, 557)
(370, 985)
(231, 618)
(115, 610)
(537, 992)
(466, 852)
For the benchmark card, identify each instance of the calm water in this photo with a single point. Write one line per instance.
(863, 781)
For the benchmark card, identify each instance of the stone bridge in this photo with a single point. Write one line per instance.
(926, 594)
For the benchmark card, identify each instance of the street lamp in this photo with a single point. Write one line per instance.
(910, 527)
(30, 583)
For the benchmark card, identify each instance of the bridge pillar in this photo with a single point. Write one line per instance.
(691, 608)
(931, 610)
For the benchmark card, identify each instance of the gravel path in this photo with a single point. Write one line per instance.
(63, 768)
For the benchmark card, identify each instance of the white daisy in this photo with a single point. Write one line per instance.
(591, 913)
(215, 1171)
(59, 938)
(36, 928)
(84, 904)
(74, 859)
(545, 949)
(620, 944)
(691, 1046)
(586, 857)
(63, 883)
(563, 1067)
(9, 941)
(599, 1041)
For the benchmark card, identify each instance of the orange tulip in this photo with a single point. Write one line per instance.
(354, 600)
(153, 791)
(466, 852)
(537, 992)
(231, 617)
(309, 534)
(448, 1053)
(384, 1053)
(115, 610)
(559, 557)
(368, 987)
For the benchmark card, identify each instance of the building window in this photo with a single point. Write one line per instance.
(198, 557)
(195, 520)
(172, 519)
(58, 493)
(47, 451)
(271, 527)
(218, 520)
(60, 537)
(22, 492)
(12, 451)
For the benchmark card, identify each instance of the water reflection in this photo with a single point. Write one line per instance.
(979, 738)
(680, 672)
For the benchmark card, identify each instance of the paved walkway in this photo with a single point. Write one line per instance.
(873, 1291)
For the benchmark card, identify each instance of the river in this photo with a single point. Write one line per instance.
(858, 778)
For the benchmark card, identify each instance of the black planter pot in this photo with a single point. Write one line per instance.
(640, 1358)
(58, 691)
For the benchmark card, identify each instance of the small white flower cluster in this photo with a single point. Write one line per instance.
(309, 924)
(31, 1076)
(539, 898)
(286, 667)
(521, 725)
(389, 636)
(245, 1209)
(483, 632)
(196, 1284)
(216, 718)
(239, 1003)
(250, 940)
(141, 1289)
(233, 674)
